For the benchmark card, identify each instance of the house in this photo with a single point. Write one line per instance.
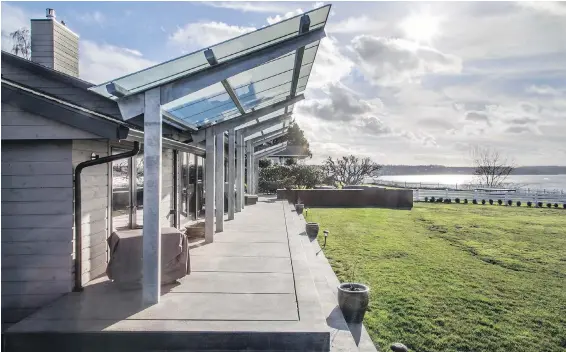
(59, 132)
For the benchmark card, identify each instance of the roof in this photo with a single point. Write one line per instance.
(292, 151)
(231, 79)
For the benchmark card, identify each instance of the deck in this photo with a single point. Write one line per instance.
(260, 286)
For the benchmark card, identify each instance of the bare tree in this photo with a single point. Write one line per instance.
(22, 43)
(350, 170)
(490, 167)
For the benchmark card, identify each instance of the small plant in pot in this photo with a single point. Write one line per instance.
(529, 204)
(353, 300)
(465, 200)
(312, 229)
(299, 207)
(499, 201)
(491, 202)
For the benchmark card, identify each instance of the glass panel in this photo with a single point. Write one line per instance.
(196, 61)
(120, 192)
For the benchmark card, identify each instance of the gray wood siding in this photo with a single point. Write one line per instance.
(37, 224)
(19, 124)
(94, 217)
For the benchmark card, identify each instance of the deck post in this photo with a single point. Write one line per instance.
(219, 191)
(249, 166)
(151, 257)
(209, 191)
(239, 171)
(231, 173)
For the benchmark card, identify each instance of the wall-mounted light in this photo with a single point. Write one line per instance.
(94, 156)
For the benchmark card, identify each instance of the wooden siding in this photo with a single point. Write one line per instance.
(37, 223)
(19, 124)
(94, 217)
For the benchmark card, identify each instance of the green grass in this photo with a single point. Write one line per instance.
(455, 277)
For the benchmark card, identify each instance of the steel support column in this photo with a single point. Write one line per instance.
(219, 190)
(231, 173)
(249, 166)
(209, 191)
(239, 171)
(151, 259)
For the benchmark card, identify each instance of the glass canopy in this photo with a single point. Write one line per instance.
(259, 87)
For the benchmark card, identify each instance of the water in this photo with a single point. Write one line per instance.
(548, 182)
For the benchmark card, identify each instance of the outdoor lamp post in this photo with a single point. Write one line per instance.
(325, 236)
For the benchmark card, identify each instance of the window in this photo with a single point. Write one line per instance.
(127, 191)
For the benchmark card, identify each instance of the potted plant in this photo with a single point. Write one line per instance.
(312, 229)
(353, 300)
(299, 207)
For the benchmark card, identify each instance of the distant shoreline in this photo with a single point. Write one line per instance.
(402, 170)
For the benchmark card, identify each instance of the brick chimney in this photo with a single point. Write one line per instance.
(54, 45)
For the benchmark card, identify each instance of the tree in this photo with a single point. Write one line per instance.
(294, 137)
(22, 43)
(264, 163)
(290, 161)
(490, 167)
(350, 170)
(281, 176)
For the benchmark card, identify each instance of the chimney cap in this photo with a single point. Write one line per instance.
(50, 13)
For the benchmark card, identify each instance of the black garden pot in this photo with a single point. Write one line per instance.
(353, 299)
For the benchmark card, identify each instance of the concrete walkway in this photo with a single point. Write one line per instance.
(251, 289)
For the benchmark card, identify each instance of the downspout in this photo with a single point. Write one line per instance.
(175, 188)
(78, 212)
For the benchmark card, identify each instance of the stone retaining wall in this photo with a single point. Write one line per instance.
(367, 197)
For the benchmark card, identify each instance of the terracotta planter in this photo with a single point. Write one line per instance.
(299, 208)
(353, 299)
(312, 229)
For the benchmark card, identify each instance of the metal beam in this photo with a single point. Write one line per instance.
(268, 137)
(131, 106)
(243, 119)
(304, 26)
(271, 152)
(211, 58)
(264, 125)
(270, 149)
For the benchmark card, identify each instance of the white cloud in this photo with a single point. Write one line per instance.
(95, 17)
(354, 25)
(13, 18)
(555, 8)
(330, 65)
(202, 34)
(278, 18)
(102, 62)
(545, 90)
(388, 61)
(260, 7)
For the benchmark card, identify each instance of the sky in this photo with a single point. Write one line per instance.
(400, 82)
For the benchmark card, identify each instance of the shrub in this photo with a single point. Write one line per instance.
(465, 200)
(509, 202)
(449, 200)
(564, 205)
(457, 200)
(556, 205)
(539, 204)
(426, 199)
(548, 205)
(529, 203)
(499, 201)
(518, 203)
(439, 200)
(432, 200)
(491, 202)
(483, 201)
(475, 201)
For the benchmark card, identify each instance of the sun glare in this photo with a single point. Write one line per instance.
(421, 28)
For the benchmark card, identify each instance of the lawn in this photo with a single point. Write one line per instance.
(448, 277)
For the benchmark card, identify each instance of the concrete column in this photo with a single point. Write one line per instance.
(209, 191)
(231, 173)
(151, 258)
(256, 176)
(219, 182)
(239, 171)
(249, 166)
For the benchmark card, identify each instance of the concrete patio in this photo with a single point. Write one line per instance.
(251, 289)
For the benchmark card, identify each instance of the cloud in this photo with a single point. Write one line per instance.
(554, 8)
(201, 34)
(102, 62)
(260, 7)
(353, 25)
(279, 18)
(476, 116)
(518, 129)
(95, 17)
(389, 61)
(330, 64)
(545, 90)
(13, 18)
(523, 120)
